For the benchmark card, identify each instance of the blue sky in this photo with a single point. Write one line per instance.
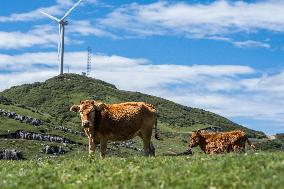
(222, 56)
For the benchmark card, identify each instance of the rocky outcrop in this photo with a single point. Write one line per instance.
(53, 150)
(10, 154)
(65, 129)
(36, 136)
(21, 118)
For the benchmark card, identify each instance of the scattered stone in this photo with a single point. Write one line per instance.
(10, 154)
(21, 118)
(36, 136)
(53, 150)
(127, 144)
(65, 129)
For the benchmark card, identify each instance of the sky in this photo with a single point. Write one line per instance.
(223, 56)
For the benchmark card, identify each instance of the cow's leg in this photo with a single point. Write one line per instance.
(103, 146)
(146, 148)
(91, 146)
(91, 135)
(146, 137)
(146, 145)
(152, 149)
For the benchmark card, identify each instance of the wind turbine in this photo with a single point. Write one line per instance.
(61, 27)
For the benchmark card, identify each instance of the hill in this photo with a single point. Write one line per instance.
(55, 96)
(35, 119)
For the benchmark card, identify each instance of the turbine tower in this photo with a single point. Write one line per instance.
(61, 27)
(89, 61)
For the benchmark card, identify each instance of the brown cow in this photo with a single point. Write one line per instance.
(212, 143)
(117, 122)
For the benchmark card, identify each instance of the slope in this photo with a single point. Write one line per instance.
(56, 95)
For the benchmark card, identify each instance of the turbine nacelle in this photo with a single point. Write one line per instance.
(63, 22)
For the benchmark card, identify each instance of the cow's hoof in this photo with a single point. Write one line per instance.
(190, 152)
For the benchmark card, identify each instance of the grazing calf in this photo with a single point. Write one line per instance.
(213, 143)
(117, 122)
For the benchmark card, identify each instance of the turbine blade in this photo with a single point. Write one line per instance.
(51, 17)
(70, 10)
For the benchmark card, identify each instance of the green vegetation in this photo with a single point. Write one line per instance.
(50, 101)
(56, 95)
(252, 170)
(124, 167)
(271, 145)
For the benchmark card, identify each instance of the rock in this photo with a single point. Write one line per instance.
(11, 114)
(53, 150)
(24, 119)
(10, 154)
(70, 130)
(37, 136)
(127, 144)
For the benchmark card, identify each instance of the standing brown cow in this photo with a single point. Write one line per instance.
(212, 143)
(117, 122)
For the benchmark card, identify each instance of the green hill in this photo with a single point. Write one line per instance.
(50, 101)
(56, 95)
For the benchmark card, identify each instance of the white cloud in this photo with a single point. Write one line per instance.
(58, 9)
(222, 89)
(86, 28)
(216, 20)
(273, 83)
(34, 14)
(197, 20)
(41, 36)
(242, 44)
(250, 44)
(17, 78)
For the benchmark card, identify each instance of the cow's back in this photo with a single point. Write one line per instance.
(221, 142)
(123, 121)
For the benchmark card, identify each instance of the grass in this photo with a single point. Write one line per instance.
(32, 150)
(125, 168)
(249, 170)
(25, 111)
(8, 125)
(55, 96)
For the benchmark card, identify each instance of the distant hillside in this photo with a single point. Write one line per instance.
(55, 96)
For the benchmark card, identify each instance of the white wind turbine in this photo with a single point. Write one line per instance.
(61, 26)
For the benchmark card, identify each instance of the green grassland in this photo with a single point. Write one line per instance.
(124, 167)
(55, 96)
(249, 170)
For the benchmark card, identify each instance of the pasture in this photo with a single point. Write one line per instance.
(247, 170)
(124, 166)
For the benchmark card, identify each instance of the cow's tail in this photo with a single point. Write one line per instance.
(249, 143)
(157, 136)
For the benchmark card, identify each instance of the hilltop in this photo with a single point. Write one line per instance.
(56, 95)
(35, 119)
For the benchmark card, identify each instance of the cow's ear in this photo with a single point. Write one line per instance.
(93, 102)
(75, 108)
(198, 131)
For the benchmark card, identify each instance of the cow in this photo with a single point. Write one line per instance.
(117, 122)
(213, 143)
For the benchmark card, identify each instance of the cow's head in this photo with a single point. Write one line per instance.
(194, 139)
(87, 109)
